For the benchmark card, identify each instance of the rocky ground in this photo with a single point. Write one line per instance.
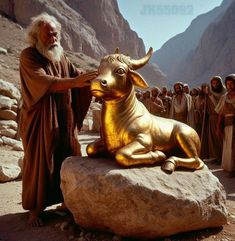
(60, 226)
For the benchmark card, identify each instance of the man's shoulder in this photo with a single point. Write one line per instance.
(29, 52)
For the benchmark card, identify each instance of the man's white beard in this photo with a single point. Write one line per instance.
(53, 52)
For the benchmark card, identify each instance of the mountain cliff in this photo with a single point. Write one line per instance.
(111, 28)
(176, 52)
(94, 28)
(215, 53)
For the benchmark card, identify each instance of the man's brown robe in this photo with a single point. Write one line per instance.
(47, 122)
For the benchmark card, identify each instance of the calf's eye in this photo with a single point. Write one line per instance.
(120, 71)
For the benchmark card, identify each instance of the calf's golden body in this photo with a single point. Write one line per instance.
(128, 131)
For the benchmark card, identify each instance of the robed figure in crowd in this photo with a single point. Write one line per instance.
(181, 106)
(214, 147)
(226, 124)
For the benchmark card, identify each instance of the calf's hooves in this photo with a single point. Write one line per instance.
(168, 167)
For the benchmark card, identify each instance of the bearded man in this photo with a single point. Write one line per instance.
(56, 98)
(214, 144)
(181, 106)
(226, 125)
(156, 104)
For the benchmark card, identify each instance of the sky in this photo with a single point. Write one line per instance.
(156, 21)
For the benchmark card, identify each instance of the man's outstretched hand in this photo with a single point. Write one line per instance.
(84, 78)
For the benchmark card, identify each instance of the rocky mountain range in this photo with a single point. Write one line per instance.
(179, 57)
(94, 28)
(215, 53)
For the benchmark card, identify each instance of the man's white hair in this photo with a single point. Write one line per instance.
(33, 28)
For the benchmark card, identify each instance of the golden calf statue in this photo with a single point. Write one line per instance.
(129, 132)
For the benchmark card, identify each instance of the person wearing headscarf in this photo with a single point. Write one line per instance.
(200, 116)
(214, 147)
(156, 106)
(181, 106)
(226, 124)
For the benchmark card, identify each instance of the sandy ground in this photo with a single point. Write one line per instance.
(60, 226)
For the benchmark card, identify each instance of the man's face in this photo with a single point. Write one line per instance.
(215, 85)
(230, 85)
(169, 93)
(193, 92)
(178, 89)
(164, 90)
(205, 90)
(186, 89)
(146, 94)
(138, 95)
(154, 92)
(48, 35)
(49, 42)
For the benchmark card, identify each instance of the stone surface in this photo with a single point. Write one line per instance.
(6, 102)
(8, 115)
(8, 89)
(214, 54)
(174, 56)
(9, 172)
(15, 144)
(141, 202)
(8, 124)
(3, 51)
(112, 30)
(21, 162)
(8, 132)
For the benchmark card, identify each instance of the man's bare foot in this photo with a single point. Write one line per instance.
(34, 219)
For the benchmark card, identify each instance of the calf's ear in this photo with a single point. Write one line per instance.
(137, 79)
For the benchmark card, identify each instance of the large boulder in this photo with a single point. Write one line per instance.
(141, 202)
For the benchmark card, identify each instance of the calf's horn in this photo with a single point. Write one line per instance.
(138, 63)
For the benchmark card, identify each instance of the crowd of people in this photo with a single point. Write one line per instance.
(209, 109)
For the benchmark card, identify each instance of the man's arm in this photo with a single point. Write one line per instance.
(75, 82)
